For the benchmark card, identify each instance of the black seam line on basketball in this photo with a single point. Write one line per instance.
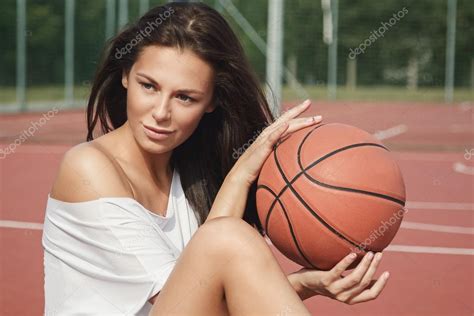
(303, 172)
(379, 195)
(262, 186)
(275, 200)
(300, 173)
(286, 138)
(302, 201)
(358, 246)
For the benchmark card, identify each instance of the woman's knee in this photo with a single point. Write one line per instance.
(227, 235)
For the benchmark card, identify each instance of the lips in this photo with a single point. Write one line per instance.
(157, 130)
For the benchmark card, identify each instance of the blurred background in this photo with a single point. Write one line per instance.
(50, 48)
(401, 69)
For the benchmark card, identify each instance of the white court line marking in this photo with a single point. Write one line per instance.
(390, 132)
(23, 225)
(393, 248)
(445, 157)
(421, 249)
(434, 250)
(460, 128)
(438, 228)
(462, 168)
(466, 106)
(440, 206)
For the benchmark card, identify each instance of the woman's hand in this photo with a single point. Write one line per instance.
(355, 287)
(248, 166)
(232, 196)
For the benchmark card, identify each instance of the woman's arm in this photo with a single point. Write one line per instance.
(303, 292)
(356, 286)
(231, 198)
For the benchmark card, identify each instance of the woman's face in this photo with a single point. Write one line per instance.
(167, 90)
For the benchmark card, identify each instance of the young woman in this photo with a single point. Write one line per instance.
(153, 216)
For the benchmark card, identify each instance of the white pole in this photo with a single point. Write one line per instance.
(109, 18)
(143, 6)
(274, 54)
(123, 13)
(261, 45)
(21, 54)
(69, 53)
(450, 51)
(332, 53)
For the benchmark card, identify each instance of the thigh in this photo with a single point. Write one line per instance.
(196, 286)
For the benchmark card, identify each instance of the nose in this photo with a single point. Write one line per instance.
(162, 110)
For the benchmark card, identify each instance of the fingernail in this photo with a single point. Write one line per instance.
(386, 274)
(318, 117)
(352, 255)
(378, 256)
(310, 119)
(370, 255)
(306, 102)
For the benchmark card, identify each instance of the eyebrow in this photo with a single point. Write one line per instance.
(189, 91)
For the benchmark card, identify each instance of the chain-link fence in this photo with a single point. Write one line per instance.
(367, 50)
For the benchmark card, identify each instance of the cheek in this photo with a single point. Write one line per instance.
(187, 121)
(136, 106)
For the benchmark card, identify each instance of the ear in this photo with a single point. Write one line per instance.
(211, 107)
(124, 79)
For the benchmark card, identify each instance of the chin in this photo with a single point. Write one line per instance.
(155, 148)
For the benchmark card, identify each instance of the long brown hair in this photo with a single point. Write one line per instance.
(206, 157)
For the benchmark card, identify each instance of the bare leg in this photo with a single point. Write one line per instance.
(227, 267)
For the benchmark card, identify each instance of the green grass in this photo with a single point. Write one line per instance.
(38, 94)
(42, 93)
(382, 93)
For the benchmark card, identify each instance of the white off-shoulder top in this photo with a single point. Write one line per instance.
(109, 256)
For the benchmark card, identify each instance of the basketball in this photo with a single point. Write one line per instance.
(328, 190)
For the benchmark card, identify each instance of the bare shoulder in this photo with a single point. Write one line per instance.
(88, 173)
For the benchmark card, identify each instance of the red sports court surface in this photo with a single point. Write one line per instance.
(430, 260)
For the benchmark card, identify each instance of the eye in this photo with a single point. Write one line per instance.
(147, 86)
(184, 98)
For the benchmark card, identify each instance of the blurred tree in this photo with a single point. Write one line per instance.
(415, 46)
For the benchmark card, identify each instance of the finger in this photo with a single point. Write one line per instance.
(371, 271)
(296, 110)
(367, 278)
(373, 292)
(354, 278)
(264, 145)
(285, 117)
(342, 265)
(269, 129)
(267, 132)
(276, 134)
(292, 113)
(299, 123)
